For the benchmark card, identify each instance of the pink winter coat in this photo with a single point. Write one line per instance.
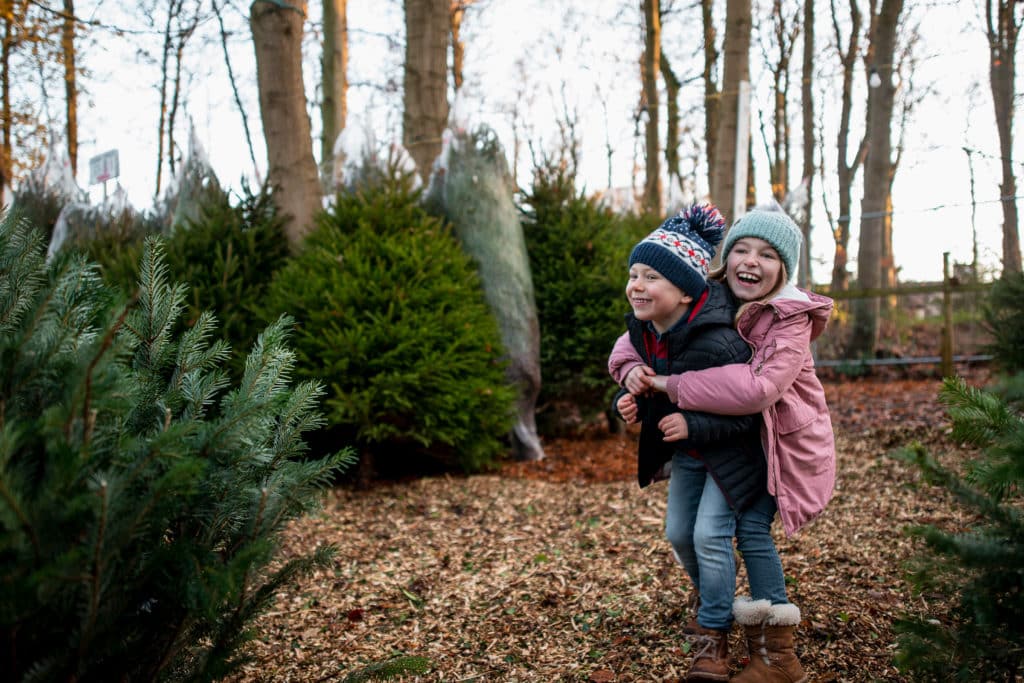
(780, 382)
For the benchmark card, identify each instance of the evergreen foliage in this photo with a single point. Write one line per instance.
(1004, 321)
(980, 570)
(578, 255)
(38, 205)
(390, 312)
(137, 527)
(227, 256)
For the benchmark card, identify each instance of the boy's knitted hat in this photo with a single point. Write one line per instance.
(775, 228)
(681, 249)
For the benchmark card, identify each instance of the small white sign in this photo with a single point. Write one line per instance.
(103, 167)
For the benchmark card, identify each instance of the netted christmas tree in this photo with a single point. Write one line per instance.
(141, 497)
(978, 570)
(472, 187)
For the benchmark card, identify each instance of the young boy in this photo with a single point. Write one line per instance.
(681, 321)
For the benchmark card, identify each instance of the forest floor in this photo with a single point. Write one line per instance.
(558, 570)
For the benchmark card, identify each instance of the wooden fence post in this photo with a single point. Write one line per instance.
(947, 318)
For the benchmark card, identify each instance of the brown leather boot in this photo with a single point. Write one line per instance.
(751, 615)
(772, 656)
(710, 650)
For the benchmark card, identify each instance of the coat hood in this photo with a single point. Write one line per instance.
(792, 300)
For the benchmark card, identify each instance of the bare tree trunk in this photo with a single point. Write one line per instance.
(846, 171)
(292, 173)
(234, 85)
(877, 168)
(458, 12)
(651, 67)
(67, 44)
(735, 71)
(712, 103)
(6, 158)
(1002, 32)
(172, 11)
(805, 276)
(672, 86)
(427, 26)
(335, 77)
(784, 30)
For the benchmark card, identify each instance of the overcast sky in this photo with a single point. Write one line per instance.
(593, 74)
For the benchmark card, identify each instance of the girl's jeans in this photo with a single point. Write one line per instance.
(700, 526)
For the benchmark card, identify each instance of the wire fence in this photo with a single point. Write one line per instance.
(921, 324)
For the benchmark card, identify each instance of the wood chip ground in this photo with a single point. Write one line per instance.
(559, 570)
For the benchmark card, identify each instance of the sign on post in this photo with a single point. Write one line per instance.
(103, 167)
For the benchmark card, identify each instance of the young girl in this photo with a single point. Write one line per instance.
(779, 321)
(718, 481)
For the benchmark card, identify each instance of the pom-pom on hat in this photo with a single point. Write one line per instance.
(682, 247)
(774, 227)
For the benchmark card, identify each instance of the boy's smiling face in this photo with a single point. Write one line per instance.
(654, 298)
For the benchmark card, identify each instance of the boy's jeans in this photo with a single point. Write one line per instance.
(700, 526)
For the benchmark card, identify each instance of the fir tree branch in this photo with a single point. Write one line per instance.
(108, 340)
(25, 523)
(94, 577)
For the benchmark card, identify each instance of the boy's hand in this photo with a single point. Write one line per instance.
(638, 380)
(674, 427)
(628, 408)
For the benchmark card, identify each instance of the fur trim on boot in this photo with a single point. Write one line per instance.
(748, 612)
(770, 643)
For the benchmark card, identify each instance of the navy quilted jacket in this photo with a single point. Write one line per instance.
(729, 446)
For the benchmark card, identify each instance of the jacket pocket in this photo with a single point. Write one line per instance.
(792, 417)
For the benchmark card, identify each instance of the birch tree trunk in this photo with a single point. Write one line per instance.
(425, 115)
(877, 169)
(736, 70)
(292, 172)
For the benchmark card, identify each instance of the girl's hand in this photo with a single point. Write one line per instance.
(638, 380)
(674, 427)
(628, 408)
(658, 382)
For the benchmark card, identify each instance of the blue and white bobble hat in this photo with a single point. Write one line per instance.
(682, 247)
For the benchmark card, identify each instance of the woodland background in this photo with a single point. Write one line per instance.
(445, 312)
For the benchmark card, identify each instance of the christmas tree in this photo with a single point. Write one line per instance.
(979, 569)
(141, 498)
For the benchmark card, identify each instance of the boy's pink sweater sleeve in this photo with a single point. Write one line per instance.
(747, 388)
(623, 359)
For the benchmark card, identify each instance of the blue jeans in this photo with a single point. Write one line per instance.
(700, 526)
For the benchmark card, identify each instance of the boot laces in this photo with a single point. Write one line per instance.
(708, 646)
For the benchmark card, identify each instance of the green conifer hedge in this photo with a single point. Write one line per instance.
(391, 314)
(141, 496)
(579, 253)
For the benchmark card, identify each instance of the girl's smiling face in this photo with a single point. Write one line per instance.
(653, 297)
(752, 268)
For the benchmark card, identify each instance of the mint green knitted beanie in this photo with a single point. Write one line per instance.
(775, 228)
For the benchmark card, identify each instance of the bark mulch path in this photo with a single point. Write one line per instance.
(559, 571)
